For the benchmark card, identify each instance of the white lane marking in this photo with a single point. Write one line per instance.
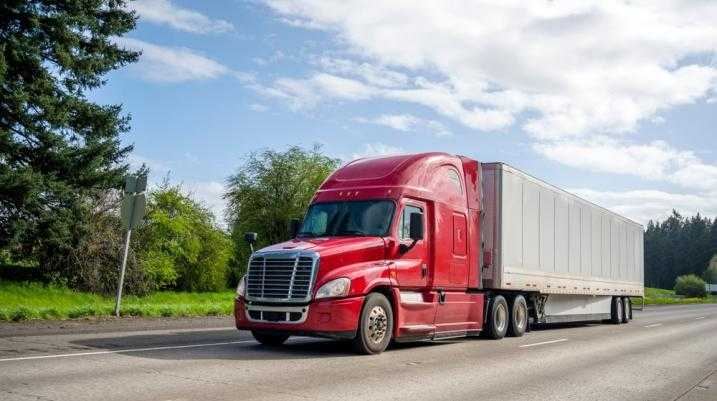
(544, 342)
(125, 350)
(653, 325)
(699, 317)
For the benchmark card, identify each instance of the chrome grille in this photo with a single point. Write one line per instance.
(280, 277)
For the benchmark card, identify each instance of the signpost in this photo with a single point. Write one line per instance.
(133, 205)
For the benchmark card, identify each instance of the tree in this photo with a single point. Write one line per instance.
(269, 190)
(58, 150)
(178, 245)
(711, 271)
(678, 246)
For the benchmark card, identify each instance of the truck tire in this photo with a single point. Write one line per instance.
(270, 338)
(518, 316)
(375, 326)
(498, 318)
(626, 309)
(616, 311)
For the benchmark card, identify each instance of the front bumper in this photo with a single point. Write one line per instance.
(328, 318)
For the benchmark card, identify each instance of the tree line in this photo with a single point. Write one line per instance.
(679, 246)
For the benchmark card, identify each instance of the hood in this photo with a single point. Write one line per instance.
(336, 251)
(328, 245)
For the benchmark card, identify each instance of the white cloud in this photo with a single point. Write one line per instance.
(559, 69)
(374, 75)
(210, 194)
(172, 64)
(653, 161)
(644, 205)
(378, 149)
(183, 19)
(408, 123)
(307, 93)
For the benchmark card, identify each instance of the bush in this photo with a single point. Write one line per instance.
(93, 264)
(179, 246)
(690, 286)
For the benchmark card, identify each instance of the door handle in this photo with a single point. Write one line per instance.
(424, 270)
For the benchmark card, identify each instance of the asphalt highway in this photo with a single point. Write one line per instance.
(665, 353)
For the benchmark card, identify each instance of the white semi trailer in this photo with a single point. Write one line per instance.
(574, 257)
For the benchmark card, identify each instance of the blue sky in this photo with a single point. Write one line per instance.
(616, 102)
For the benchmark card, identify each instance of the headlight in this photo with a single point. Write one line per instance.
(334, 288)
(241, 287)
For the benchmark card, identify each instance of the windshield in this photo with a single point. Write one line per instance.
(364, 218)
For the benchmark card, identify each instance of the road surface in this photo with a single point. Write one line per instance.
(666, 353)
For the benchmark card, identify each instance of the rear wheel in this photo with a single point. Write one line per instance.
(498, 318)
(270, 338)
(616, 312)
(375, 325)
(518, 317)
(626, 310)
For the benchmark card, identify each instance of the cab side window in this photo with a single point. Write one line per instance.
(404, 228)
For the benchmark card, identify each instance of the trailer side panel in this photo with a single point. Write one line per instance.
(547, 240)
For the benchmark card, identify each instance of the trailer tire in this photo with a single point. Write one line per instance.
(616, 311)
(269, 338)
(375, 326)
(626, 309)
(498, 318)
(518, 316)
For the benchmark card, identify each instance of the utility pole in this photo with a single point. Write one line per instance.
(133, 206)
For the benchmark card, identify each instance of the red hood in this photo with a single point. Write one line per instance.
(337, 252)
(328, 246)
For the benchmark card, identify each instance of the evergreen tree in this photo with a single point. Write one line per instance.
(678, 246)
(57, 149)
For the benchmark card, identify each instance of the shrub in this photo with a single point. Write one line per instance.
(690, 286)
(93, 264)
(179, 246)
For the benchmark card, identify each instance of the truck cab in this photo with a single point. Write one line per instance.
(389, 249)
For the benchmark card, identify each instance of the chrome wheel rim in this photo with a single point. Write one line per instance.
(619, 310)
(377, 324)
(520, 317)
(501, 317)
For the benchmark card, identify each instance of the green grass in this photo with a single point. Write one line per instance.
(25, 301)
(659, 296)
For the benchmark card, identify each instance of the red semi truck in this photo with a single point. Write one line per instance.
(429, 246)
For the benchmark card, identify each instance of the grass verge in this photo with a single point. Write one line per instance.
(659, 296)
(25, 301)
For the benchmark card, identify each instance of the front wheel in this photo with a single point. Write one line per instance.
(375, 325)
(269, 338)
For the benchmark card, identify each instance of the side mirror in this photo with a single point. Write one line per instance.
(250, 238)
(416, 226)
(294, 226)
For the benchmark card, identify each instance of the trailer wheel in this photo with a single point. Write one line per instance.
(626, 309)
(498, 318)
(616, 311)
(375, 325)
(269, 338)
(518, 316)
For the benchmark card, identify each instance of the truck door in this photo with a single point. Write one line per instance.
(411, 260)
